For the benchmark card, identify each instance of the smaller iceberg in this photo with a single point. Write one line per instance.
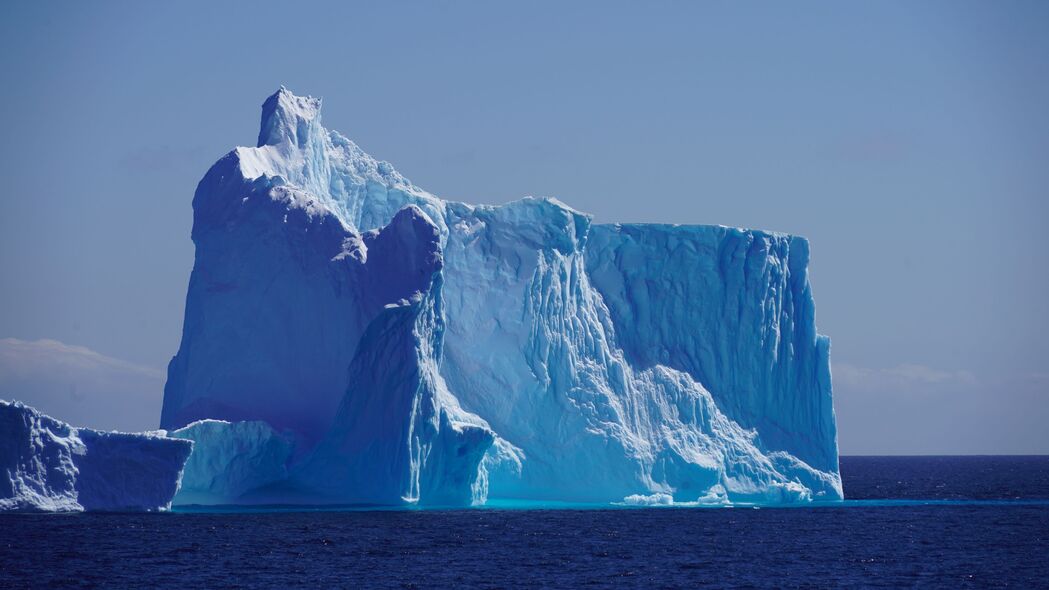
(47, 465)
(232, 461)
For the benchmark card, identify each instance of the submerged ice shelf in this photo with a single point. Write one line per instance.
(350, 338)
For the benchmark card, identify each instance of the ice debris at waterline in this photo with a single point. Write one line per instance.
(359, 340)
(50, 466)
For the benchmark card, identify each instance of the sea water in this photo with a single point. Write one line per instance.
(908, 521)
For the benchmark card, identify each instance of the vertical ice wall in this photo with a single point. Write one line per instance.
(734, 309)
(398, 435)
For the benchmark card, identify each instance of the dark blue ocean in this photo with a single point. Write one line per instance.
(948, 522)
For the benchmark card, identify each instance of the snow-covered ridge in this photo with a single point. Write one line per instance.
(48, 465)
(424, 351)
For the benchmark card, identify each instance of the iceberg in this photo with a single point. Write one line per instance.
(50, 466)
(351, 338)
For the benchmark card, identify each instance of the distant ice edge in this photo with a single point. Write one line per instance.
(51, 466)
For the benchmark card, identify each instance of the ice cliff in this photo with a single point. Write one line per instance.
(351, 338)
(48, 465)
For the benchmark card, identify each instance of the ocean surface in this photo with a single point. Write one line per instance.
(948, 522)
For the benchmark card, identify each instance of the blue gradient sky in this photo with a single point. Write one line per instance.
(908, 140)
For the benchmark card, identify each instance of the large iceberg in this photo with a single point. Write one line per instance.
(407, 349)
(48, 465)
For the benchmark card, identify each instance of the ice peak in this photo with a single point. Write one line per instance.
(287, 117)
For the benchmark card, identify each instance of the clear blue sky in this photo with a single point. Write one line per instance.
(909, 140)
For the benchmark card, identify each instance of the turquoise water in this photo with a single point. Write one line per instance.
(539, 505)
